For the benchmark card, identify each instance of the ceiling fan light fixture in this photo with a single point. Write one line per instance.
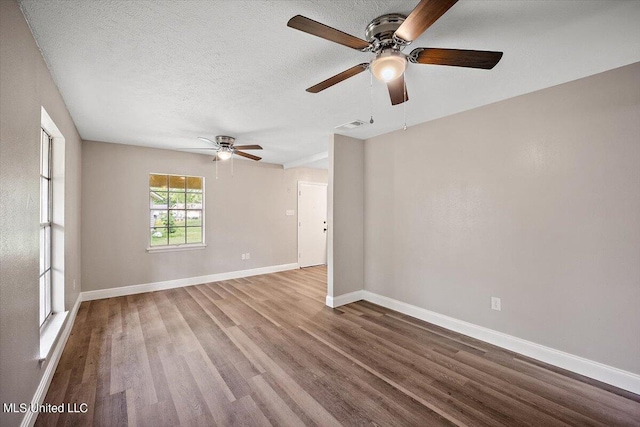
(224, 154)
(388, 65)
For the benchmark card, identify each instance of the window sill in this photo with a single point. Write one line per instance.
(49, 332)
(176, 248)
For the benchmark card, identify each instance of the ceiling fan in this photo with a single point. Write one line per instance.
(225, 148)
(387, 36)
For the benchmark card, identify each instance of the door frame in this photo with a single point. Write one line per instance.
(322, 184)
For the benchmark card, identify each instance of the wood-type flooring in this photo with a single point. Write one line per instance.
(265, 350)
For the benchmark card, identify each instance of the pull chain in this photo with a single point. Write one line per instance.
(231, 165)
(371, 96)
(216, 160)
(404, 107)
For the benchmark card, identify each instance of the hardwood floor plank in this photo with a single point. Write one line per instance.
(55, 396)
(496, 402)
(234, 374)
(248, 301)
(284, 350)
(275, 290)
(256, 293)
(130, 367)
(216, 395)
(384, 401)
(531, 388)
(278, 413)
(156, 337)
(111, 410)
(208, 290)
(114, 325)
(77, 395)
(389, 381)
(103, 379)
(78, 343)
(239, 311)
(451, 337)
(380, 355)
(289, 313)
(201, 295)
(315, 411)
(204, 328)
(300, 290)
(131, 408)
(215, 288)
(220, 383)
(297, 409)
(187, 397)
(94, 351)
(434, 339)
(583, 386)
(265, 350)
(336, 383)
(181, 335)
(248, 413)
(162, 413)
(160, 381)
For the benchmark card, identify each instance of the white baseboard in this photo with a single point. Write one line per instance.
(599, 371)
(30, 417)
(178, 283)
(334, 302)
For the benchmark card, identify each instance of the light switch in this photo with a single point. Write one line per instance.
(291, 212)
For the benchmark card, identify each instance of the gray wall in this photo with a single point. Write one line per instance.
(346, 215)
(25, 86)
(243, 213)
(535, 200)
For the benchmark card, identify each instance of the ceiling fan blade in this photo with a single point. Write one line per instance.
(206, 140)
(317, 29)
(398, 90)
(338, 78)
(247, 155)
(456, 57)
(199, 148)
(422, 17)
(247, 147)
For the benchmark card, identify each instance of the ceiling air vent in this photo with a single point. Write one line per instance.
(351, 125)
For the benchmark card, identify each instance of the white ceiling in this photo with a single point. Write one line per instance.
(161, 73)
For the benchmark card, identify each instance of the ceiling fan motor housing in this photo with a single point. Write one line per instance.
(380, 32)
(225, 141)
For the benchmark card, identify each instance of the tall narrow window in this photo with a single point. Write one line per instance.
(45, 225)
(176, 209)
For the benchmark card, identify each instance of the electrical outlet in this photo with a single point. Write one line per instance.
(74, 283)
(496, 304)
(244, 257)
(248, 255)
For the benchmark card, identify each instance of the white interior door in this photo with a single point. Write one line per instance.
(312, 224)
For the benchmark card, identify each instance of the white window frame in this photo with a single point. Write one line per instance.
(52, 326)
(177, 246)
(46, 213)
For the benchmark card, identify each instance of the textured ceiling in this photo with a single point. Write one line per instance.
(161, 73)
